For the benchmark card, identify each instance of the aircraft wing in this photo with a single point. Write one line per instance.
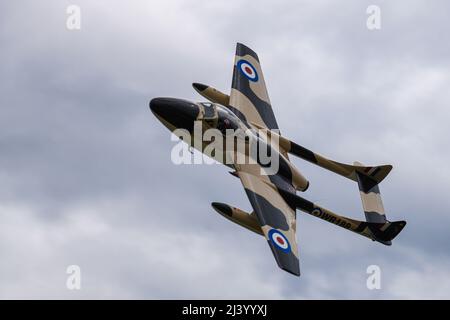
(276, 217)
(249, 99)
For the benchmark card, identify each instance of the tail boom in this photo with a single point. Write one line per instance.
(381, 232)
(372, 175)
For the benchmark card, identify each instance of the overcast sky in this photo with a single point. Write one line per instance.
(85, 171)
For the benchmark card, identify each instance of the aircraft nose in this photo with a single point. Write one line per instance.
(177, 112)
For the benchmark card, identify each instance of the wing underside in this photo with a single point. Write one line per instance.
(276, 217)
(249, 100)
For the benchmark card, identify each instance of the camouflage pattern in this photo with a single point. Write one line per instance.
(273, 210)
(249, 98)
(273, 195)
(374, 174)
(370, 198)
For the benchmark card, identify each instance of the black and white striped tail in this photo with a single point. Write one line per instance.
(370, 197)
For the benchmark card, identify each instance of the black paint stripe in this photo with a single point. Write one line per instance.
(297, 201)
(366, 183)
(375, 217)
(266, 212)
(302, 152)
(242, 50)
(281, 184)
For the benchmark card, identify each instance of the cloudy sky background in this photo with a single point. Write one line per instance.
(85, 169)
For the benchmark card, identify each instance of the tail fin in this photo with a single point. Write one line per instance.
(382, 230)
(370, 198)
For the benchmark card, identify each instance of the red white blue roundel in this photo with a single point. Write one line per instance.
(248, 70)
(280, 241)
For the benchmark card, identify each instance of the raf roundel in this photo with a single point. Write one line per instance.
(280, 241)
(248, 70)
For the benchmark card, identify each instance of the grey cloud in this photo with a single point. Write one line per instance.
(85, 168)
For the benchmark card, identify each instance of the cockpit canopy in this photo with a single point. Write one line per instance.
(219, 117)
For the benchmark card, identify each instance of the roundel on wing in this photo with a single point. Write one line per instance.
(279, 240)
(248, 70)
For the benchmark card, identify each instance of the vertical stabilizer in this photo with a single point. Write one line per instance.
(370, 197)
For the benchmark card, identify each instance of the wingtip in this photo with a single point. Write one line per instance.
(293, 272)
(243, 46)
(286, 261)
(242, 50)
